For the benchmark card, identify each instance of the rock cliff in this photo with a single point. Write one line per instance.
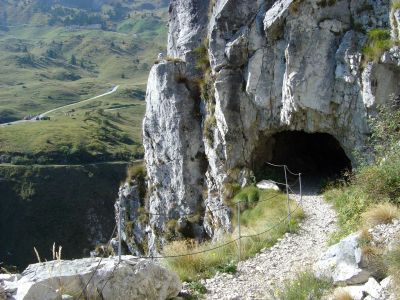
(238, 74)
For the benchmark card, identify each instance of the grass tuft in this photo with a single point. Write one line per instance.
(305, 286)
(383, 213)
(378, 41)
(342, 294)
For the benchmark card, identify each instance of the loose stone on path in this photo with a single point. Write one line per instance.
(295, 252)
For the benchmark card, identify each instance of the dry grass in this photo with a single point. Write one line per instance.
(382, 213)
(257, 218)
(342, 294)
(373, 258)
(365, 237)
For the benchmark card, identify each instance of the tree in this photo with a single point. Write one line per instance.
(73, 60)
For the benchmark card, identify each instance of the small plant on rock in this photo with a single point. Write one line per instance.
(378, 42)
(197, 287)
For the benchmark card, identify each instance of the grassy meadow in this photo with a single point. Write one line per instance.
(44, 67)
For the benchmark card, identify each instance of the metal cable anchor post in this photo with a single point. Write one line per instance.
(239, 234)
(119, 232)
(288, 200)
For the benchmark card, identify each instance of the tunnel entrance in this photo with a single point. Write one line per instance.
(317, 155)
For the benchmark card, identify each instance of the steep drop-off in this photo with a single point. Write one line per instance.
(71, 206)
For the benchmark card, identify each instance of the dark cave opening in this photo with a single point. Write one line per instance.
(315, 155)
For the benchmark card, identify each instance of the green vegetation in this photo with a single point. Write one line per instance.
(305, 286)
(395, 4)
(372, 184)
(86, 133)
(393, 263)
(197, 287)
(205, 84)
(256, 218)
(378, 41)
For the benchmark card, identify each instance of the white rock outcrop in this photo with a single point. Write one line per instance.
(133, 278)
(346, 263)
(342, 263)
(268, 185)
(275, 66)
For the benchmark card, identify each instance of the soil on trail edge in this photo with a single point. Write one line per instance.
(293, 253)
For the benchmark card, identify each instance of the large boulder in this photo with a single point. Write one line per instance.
(342, 263)
(132, 278)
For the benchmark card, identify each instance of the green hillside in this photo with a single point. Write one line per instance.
(46, 63)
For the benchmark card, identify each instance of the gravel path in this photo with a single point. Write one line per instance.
(293, 253)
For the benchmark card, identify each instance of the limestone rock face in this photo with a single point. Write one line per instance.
(275, 66)
(133, 278)
(174, 151)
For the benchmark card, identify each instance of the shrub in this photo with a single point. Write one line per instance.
(373, 258)
(349, 202)
(202, 60)
(382, 213)
(305, 286)
(208, 131)
(372, 184)
(395, 4)
(378, 41)
(135, 170)
(385, 129)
